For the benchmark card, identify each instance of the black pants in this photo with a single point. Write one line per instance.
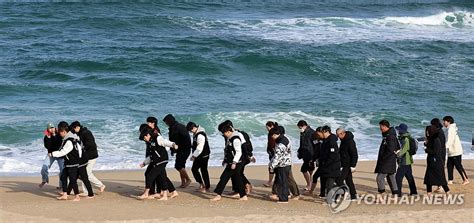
(235, 174)
(82, 174)
(200, 163)
(158, 173)
(316, 175)
(293, 187)
(429, 188)
(405, 171)
(455, 161)
(245, 181)
(281, 181)
(70, 173)
(156, 188)
(346, 175)
(330, 183)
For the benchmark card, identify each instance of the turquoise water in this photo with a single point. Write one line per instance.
(341, 63)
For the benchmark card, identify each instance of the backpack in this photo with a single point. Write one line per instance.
(247, 148)
(413, 146)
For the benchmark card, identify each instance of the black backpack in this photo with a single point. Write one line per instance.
(247, 148)
(413, 146)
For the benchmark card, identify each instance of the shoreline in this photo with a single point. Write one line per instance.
(22, 200)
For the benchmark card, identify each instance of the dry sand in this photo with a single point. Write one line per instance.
(22, 201)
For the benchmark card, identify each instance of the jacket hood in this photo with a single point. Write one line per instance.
(453, 126)
(349, 136)
(200, 129)
(391, 131)
(283, 140)
(71, 135)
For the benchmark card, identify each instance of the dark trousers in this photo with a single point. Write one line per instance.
(429, 188)
(156, 188)
(235, 174)
(245, 181)
(346, 175)
(70, 173)
(293, 187)
(281, 181)
(82, 174)
(316, 175)
(405, 171)
(201, 164)
(158, 174)
(455, 161)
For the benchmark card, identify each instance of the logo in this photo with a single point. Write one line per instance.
(338, 199)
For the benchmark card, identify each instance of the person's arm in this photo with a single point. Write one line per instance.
(392, 144)
(201, 140)
(451, 138)
(64, 151)
(164, 142)
(238, 150)
(48, 142)
(353, 153)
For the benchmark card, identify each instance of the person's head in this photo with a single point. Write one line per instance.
(271, 125)
(152, 122)
(384, 126)
(431, 131)
(146, 134)
(169, 120)
(402, 128)
(223, 124)
(192, 127)
(227, 131)
(319, 133)
(341, 133)
(326, 130)
(75, 127)
(436, 122)
(275, 133)
(63, 129)
(447, 120)
(50, 128)
(302, 125)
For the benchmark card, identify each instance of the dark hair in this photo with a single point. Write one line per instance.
(281, 129)
(302, 123)
(319, 129)
(142, 127)
(272, 124)
(144, 132)
(385, 123)
(63, 126)
(74, 125)
(223, 124)
(227, 128)
(152, 120)
(448, 119)
(274, 131)
(436, 122)
(433, 131)
(326, 129)
(190, 126)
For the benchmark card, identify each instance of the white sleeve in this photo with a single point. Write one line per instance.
(64, 151)
(147, 161)
(450, 137)
(238, 150)
(164, 142)
(201, 140)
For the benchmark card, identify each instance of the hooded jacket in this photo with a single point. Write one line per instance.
(387, 159)
(179, 135)
(453, 143)
(88, 143)
(52, 143)
(348, 151)
(200, 144)
(158, 151)
(404, 157)
(71, 149)
(306, 150)
(282, 156)
(330, 160)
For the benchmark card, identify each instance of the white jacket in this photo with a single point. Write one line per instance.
(453, 143)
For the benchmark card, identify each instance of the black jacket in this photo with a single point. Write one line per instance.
(229, 150)
(348, 151)
(434, 174)
(306, 150)
(329, 160)
(88, 143)
(442, 140)
(157, 153)
(179, 135)
(52, 143)
(387, 159)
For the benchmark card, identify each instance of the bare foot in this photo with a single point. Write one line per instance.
(273, 197)
(173, 194)
(76, 198)
(90, 197)
(61, 193)
(267, 184)
(216, 198)
(83, 194)
(244, 198)
(450, 182)
(62, 197)
(235, 195)
(295, 198)
(163, 198)
(188, 182)
(41, 184)
(102, 189)
(202, 190)
(309, 192)
(248, 188)
(282, 202)
(143, 197)
(465, 182)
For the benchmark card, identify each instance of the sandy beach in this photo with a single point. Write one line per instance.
(23, 201)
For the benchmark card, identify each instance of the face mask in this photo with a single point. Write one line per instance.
(302, 130)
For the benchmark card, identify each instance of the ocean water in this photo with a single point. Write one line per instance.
(335, 62)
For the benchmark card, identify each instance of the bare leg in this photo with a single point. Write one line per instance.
(307, 177)
(270, 180)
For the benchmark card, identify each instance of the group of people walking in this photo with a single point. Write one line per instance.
(74, 148)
